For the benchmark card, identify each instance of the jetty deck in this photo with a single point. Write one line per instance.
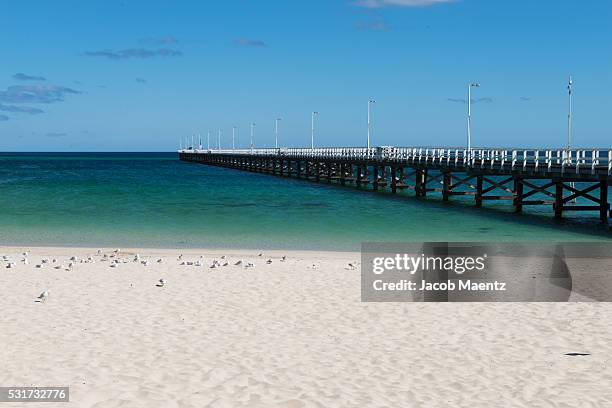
(566, 180)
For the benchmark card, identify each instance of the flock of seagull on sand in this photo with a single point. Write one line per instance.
(114, 259)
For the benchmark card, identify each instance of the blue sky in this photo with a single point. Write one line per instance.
(138, 75)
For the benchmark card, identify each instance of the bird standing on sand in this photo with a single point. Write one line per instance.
(161, 283)
(43, 296)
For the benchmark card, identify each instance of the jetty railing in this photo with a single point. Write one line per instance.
(572, 160)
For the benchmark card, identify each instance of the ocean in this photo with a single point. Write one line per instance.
(154, 200)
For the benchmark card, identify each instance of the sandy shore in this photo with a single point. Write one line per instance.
(286, 334)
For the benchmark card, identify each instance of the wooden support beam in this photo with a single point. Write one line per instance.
(581, 208)
(446, 183)
(518, 195)
(604, 206)
(375, 175)
(393, 179)
(558, 207)
(479, 180)
(497, 197)
(495, 184)
(581, 193)
(421, 183)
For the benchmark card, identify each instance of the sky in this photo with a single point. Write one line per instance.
(140, 75)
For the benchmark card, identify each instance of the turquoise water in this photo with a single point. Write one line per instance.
(154, 200)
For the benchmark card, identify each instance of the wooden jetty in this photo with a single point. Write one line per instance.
(567, 180)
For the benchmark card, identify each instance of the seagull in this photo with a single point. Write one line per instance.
(225, 263)
(223, 257)
(180, 257)
(43, 296)
(73, 258)
(284, 258)
(350, 267)
(249, 265)
(10, 265)
(161, 283)
(99, 251)
(145, 263)
(159, 260)
(198, 263)
(260, 254)
(114, 265)
(238, 263)
(44, 260)
(25, 261)
(269, 261)
(39, 266)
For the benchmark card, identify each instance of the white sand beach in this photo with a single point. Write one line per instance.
(290, 334)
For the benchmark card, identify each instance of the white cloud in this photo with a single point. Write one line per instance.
(399, 3)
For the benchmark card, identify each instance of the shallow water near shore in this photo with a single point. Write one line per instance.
(154, 200)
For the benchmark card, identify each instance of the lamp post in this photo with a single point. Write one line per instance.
(252, 136)
(312, 130)
(569, 114)
(233, 137)
(370, 102)
(208, 141)
(276, 131)
(469, 119)
(219, 140)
